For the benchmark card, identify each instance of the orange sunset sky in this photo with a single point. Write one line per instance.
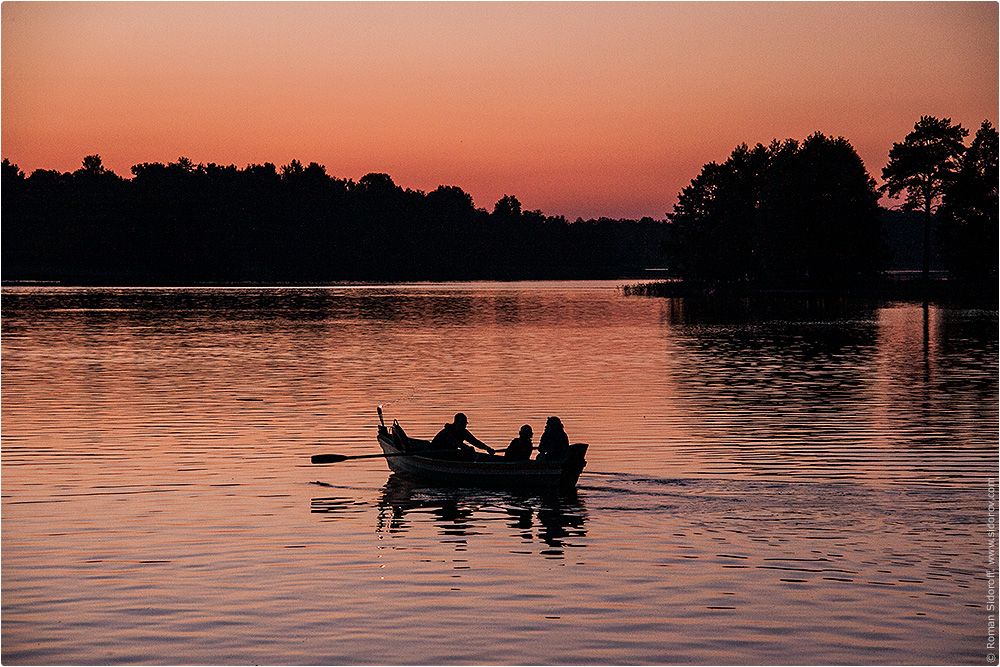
(579, 109)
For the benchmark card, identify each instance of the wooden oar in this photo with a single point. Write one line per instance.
(337, 458)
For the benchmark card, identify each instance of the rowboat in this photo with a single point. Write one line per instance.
(409, 457)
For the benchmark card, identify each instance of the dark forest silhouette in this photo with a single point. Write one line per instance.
(790, 215)
(806, 215)
(185, 223)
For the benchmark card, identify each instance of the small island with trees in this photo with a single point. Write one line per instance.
(792, 215)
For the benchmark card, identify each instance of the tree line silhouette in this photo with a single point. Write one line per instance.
(182, 223)
(806, 214)
(789, 214)
(793, 214)
(941, 176)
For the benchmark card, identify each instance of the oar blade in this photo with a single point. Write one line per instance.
(328, 458)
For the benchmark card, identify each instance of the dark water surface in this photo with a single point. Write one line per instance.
(806, 484)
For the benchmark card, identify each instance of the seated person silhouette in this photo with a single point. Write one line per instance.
(520, 447)
(554, 443)
(452, 439)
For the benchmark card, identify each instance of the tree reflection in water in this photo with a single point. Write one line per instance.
(556, 519)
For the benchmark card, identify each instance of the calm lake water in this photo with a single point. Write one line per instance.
(809, 484)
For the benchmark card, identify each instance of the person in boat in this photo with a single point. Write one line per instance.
(454, 436)
(520, 448)
(554, 443)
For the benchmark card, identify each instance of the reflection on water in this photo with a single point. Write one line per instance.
(554, 519)
(888, 394)
(767, 483)
(716, 309)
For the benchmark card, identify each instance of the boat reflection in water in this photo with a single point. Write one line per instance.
(555, 519)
